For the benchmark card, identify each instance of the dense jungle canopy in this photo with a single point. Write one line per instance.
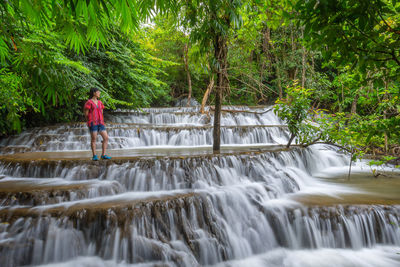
(333, 61)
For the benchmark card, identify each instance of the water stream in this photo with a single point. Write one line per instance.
(166, 200)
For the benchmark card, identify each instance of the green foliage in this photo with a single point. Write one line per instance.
(349, 133)
(42, 59)
(266, 55)
(343, 131)
(210, 18)
(294, 111)
(15, 101)
(128, 73)
(80, 23)
(363, 32)
(210, 23)
(382, 161)
(52, 82)
(167, 41)
(376, 164)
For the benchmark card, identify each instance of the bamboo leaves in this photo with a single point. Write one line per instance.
(3, 49)
(84, 23)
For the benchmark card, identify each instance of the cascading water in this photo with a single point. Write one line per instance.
(166, 200)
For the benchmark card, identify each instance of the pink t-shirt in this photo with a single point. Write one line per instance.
(95, 112)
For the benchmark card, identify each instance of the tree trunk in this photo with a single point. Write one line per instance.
(303, 63)
(221, 51)
(292, 136)
(354, 103)
(207, 94)
(267, 46)
(312, 62)
(351, 163)
(342, 104)
(265, 42)
(277, 70)
(185, 58)
(385, 97)
(278, 74)
(294, 76)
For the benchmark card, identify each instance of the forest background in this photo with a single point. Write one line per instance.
(333, 62)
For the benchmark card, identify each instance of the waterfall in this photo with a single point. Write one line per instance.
(168, 200)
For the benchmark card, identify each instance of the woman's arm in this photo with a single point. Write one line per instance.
(86, 109)
(86, 112)
(102, 113)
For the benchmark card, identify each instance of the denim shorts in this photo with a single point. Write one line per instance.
(96, 128)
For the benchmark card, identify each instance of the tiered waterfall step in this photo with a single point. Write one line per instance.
(164, 169)
(17, 191)
(76, 137)
(187, 230)
(228, 117)
(146, 152)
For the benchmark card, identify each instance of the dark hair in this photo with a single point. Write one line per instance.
(92, 91)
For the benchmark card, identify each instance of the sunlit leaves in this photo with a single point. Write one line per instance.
(73, 64)
(84, 23)
(362, 32)
(127, 14)
(75, 37)
(96, 35)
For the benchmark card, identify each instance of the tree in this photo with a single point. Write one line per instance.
(268, 54)
(210, 22)
(186, 60)
(364, 32)
(294, 111)
(170, 41)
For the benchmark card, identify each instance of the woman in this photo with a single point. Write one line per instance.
(94, 116)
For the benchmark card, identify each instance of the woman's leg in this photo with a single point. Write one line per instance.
(93, 137)
(105, 142)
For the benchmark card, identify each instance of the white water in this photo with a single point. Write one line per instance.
(379, 256)
(228, 210)
(154, 129)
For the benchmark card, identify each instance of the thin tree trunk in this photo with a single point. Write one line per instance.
(351, 163)
(312, 62)
(278, 72)
(292, 136)
(207, 94)
(303, 63)
(220, 50)
(342, 97)
(186, 59)
(293, 51)
(267, 45)
(354, 103)
(217, 117)
(385, 97)
(265, 41)
(386, 138)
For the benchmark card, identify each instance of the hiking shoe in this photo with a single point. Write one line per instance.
(95, 158)
(105, 157)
